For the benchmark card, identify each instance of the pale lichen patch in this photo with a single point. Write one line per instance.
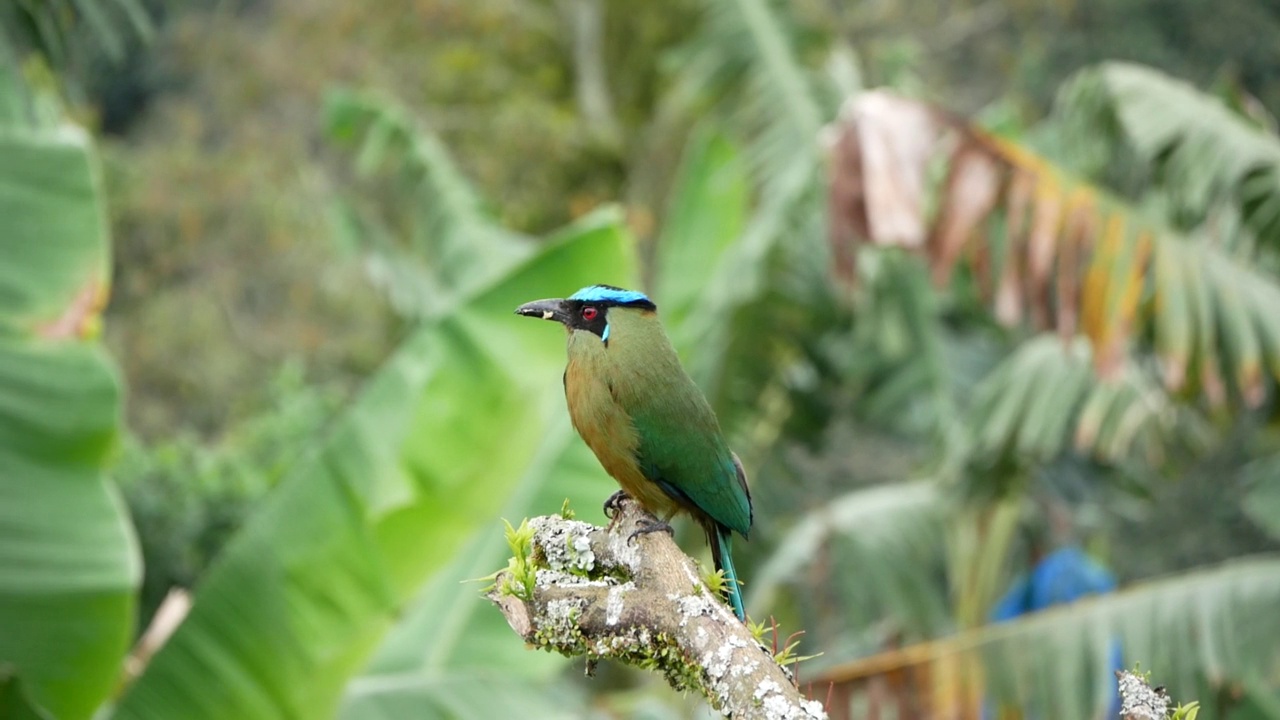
(813, 709)
(625, 554)
(770, 698)
(560, 622)
(565, 544)
(718, 661)
(765, 688)
(1139, 699)
(745, 669)
(613, 603)
(692, 606)
(581, 545)
(700, 638)
(546, 578)
(694, 580)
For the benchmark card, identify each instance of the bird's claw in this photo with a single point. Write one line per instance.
(651, 526)
(613, 504)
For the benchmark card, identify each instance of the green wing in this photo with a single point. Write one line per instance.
(682, 450)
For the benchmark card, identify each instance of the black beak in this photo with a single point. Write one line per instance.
(551, 309)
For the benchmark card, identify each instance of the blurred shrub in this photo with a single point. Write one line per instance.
(220, 180)
(188, 497)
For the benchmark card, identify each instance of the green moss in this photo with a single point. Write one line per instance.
(519, 577)
(715, 582)
(638, 648)
(561, 632)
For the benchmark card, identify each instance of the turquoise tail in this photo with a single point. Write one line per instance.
(722, 553)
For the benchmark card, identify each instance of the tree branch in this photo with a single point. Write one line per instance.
(1139, 701)
(590, 591)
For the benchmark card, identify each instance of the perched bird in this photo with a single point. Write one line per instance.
(645, 419)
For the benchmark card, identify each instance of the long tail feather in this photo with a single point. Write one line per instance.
(722, 554)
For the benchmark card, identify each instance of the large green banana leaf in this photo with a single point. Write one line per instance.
(430, 451)
(68, 562)
(453, 638)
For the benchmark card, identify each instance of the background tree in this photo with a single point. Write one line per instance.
(310, 307)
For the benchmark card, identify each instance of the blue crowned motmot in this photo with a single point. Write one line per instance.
(645, 419)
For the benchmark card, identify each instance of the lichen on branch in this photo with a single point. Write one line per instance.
(1140, 701)
(598, 593)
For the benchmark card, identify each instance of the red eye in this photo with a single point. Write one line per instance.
(589, 313)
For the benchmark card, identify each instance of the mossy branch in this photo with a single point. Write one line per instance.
(1140, 701)
(598, 595)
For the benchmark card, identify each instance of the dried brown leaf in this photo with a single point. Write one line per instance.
(970, 194)
(1042, 245)
(1010, 294)
(896, 137)
(846, 201)
(1076, 240)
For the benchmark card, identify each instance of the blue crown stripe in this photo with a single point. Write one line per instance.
(601, 293)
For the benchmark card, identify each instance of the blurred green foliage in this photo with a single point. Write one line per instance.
(199, 142)
(188, 167)
(278, 240)
(68, 567)
(188, 496)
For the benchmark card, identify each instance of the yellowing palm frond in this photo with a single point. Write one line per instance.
(1049, 248)
(1203, 155)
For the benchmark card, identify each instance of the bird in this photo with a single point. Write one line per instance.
(647, 422)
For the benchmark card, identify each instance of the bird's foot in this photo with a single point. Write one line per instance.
(647, 526)
(612, 505)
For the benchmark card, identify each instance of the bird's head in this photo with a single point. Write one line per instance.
(588, 309)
